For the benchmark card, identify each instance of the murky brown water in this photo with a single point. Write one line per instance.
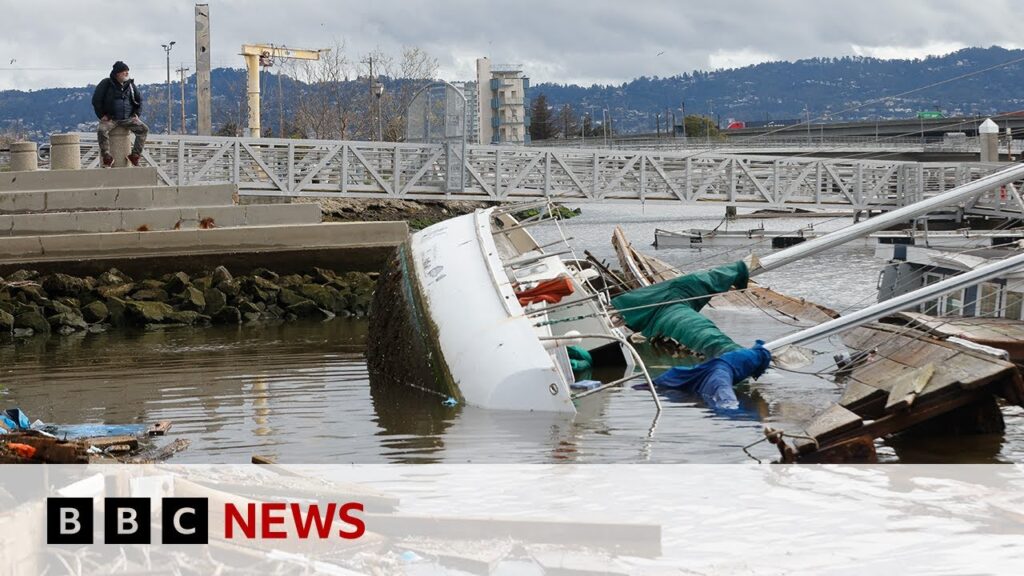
(300, 392)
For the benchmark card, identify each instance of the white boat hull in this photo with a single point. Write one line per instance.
(491, 350)
(950, 238)
(696, 239)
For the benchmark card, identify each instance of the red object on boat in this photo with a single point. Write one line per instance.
(550, 291)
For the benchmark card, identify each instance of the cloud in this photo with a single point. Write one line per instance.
(907, 52)
(72, 43)
(737, 58)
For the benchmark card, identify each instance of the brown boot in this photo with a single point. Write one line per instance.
(134, 159)
(108, 160)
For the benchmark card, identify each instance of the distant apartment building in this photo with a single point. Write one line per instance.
(501, 104)
(468, 89)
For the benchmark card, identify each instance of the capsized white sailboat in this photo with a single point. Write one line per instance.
(497, 317)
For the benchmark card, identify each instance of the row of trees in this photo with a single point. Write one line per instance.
(563, 122)
(333, 97)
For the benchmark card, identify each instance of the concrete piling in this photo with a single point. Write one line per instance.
(23, 157)
(988, 134)
(121, 140)
(65, 152)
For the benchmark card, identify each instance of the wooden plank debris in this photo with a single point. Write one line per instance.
(114, 443)
(833, 421)
(907, 387)
(162, 453)
(46, 449)
(857, 394)
(160, 428)
(1001, 333)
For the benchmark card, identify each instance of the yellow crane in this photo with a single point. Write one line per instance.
(264, 54)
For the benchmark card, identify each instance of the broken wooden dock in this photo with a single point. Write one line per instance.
(904, 379)
(908, 382)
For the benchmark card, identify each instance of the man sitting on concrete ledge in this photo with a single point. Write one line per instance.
(117, 103)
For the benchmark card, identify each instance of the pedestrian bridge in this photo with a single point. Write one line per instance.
(284, 167)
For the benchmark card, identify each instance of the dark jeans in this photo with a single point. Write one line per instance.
(135, 126)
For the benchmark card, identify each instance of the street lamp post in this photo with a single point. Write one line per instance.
(167, 51)
(378, 91)
(682, 114)
(807, 111)
(604, 125)
(707, 131)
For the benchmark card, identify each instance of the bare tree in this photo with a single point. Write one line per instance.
(418, 68)
(321, 108)
(402, 80)
(13, 132)
(333, 97)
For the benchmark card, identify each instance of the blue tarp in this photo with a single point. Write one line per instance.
(14, 419)
(713, 380)
(75, 431)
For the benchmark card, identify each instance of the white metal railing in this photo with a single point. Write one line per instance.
(773, 143)
(283, 167)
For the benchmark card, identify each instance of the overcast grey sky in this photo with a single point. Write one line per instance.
(47, 43)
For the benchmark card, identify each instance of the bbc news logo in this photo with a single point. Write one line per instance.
(187, 521)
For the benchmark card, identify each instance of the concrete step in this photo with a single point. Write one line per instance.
(158, 219)
(344, 245)
(122, 198)
(66, 179)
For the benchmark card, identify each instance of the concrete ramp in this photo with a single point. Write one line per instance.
(338, 245)
(154, 219)
(80, 179)
(115, 198)
(86, 221)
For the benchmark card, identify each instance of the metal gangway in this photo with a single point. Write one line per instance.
(407, 171)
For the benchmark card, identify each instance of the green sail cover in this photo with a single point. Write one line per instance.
(682, 321)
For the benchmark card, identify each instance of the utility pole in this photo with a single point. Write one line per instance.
(204, 125)
(167, 51)
(181, 76)
(377, 92)
(707, 133)
(807, 111)
(280, 106)
(682, 111)
(604, 125)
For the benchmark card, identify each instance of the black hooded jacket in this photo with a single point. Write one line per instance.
(113, 100)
